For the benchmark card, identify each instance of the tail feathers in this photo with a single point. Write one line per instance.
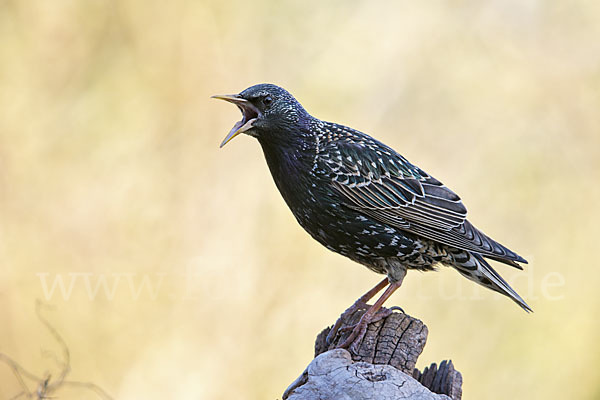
(488, 247)
(476, 268)
(509, 262)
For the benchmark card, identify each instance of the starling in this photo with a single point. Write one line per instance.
(363, 200)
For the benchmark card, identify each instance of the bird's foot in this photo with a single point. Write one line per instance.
(359, 330)
(337, 327)
(372, 314)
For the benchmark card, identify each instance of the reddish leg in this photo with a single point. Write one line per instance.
(371, 293)
(361, 328)
(361, 302)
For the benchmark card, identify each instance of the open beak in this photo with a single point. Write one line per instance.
(249, 114)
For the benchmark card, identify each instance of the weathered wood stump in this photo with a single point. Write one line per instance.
(382, 367)
(444, 379)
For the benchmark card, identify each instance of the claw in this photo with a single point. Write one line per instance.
(337, 328)
(373, 314)
(361, 303)
(358, 340)
(359, 330)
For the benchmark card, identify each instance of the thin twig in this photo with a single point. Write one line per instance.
(46, 387)
(66, 355)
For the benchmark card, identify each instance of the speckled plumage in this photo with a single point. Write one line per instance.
(361, 199)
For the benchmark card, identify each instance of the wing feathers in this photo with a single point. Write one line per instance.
(377, 181)
(393, 191)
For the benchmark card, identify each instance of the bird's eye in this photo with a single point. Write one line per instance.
(267, 100)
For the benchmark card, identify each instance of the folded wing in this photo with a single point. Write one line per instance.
(385, 186)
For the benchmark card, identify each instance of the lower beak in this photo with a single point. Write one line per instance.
(249, 112)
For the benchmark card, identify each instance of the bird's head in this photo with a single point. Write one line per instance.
(268, 112)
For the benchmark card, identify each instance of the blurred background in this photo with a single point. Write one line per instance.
(175, 270)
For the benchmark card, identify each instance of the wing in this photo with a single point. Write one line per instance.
(377, 181)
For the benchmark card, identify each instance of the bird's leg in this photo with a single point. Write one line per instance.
(361, 328)
(361, 302)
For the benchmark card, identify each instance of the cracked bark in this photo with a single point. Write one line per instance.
(383, 366)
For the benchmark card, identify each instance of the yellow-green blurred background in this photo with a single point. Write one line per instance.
(110, 172)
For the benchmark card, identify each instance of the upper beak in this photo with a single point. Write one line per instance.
(249, 114)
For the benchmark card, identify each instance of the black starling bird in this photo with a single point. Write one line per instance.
(359, 198)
